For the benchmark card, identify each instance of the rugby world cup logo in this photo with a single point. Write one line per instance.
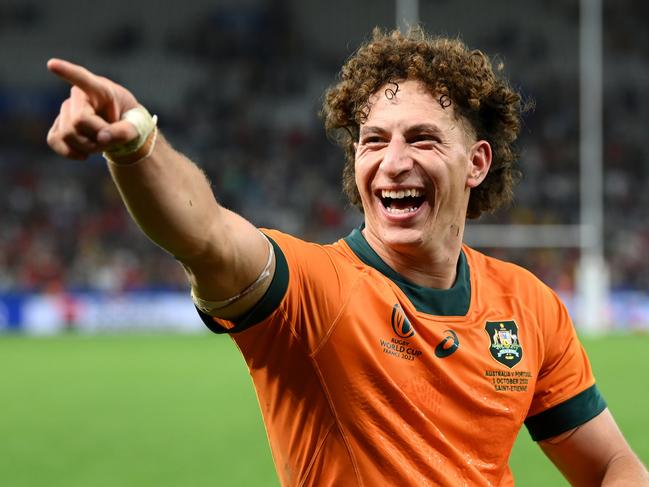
(400, 323)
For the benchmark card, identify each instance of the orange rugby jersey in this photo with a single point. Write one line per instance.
(366, 379)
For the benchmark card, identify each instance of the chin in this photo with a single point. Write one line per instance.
(402, 238)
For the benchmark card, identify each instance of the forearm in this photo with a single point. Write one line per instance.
(596, 453)
(625, 470)
(167, 195)
(170, 198)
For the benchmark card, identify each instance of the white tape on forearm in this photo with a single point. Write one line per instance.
(143, 122)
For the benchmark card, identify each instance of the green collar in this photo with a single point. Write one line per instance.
(439, 302)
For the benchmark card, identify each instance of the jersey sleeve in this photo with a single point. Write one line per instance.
(308, 289)
(565, 395)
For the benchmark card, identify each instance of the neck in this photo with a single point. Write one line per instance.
(432, 264)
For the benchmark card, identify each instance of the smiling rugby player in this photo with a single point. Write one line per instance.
(398, 355)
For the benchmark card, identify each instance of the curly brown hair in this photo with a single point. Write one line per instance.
(455, 75)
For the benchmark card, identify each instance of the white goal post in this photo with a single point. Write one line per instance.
(592, 288)
(592, 281)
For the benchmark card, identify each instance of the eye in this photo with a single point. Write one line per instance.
(424, 138)
(373, 140)
(424, 141)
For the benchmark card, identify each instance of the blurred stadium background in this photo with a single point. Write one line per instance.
(237, 85)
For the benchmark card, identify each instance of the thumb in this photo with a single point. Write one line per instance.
(117, 133)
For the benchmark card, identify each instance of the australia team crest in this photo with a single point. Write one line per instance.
(504, 344)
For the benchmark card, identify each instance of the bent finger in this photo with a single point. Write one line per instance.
(82, 116)
(64, 125)
(81, 143)
(90, 126)
(80, 102)
(58, 145)
(53, 129)
(68, 132)
(117, 133)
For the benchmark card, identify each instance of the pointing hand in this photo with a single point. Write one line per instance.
(89, 120)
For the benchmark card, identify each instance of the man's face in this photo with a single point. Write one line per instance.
(415, 166)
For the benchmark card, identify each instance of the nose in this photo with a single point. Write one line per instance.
(397, 159)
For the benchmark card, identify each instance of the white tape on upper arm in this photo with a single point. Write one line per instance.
(209, 307)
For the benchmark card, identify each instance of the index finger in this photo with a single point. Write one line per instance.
(77, 75)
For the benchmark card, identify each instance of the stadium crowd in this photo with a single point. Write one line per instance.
(251, 123)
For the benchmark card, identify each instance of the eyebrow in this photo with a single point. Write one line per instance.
(427, 128)
(415, 129)
(365, 130)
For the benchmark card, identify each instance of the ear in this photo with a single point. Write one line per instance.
(479, 163)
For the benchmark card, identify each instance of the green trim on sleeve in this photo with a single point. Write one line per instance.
(266, 305)
(569, 414)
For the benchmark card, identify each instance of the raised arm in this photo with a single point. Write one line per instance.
(596, 453)
(167, 195)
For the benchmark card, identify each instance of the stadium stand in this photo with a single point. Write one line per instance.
(238, 86)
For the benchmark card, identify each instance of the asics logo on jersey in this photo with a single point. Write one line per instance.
(448, 345)
(400, 323)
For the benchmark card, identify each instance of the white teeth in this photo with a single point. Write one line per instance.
(397, 211)
(386, 193)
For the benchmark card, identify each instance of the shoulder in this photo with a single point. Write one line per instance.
(313, 254)
(496, 276)
(499, 271)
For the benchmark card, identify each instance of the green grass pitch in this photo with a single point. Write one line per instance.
(170, 410)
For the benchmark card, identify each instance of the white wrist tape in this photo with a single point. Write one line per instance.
(143, 122)
(208, 307)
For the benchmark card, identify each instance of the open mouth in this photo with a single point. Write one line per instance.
(398, 202)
